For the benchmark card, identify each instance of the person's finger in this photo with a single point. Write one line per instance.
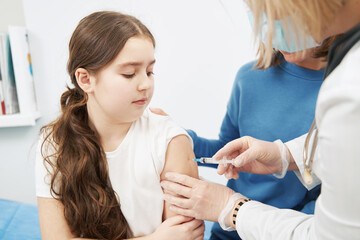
(222, 168)
(193, 224)
(246, 157)
(182, 211)
(232, 172)
(178, 201)
(178, 219)
(182, 179)
(235, 174)
(175, 188)
(228, 173)
(158, 111)
(198, 233)
(239, 145)
(172, 191)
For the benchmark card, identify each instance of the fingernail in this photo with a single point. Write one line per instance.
(238, 162)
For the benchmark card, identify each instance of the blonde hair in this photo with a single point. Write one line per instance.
(307, 16)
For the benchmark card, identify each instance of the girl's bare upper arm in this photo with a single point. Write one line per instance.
(53, 225)
(52, 221)
(179, 158)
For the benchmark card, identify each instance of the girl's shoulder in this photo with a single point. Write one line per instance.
(161, 127)
(155, 121)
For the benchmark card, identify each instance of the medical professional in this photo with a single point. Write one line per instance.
(331, 153)
(294, 77)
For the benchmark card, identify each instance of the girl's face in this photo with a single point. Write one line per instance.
(123, 89)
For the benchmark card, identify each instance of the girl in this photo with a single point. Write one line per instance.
(99, 165)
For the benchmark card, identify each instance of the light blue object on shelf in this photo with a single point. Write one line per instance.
(18, 221)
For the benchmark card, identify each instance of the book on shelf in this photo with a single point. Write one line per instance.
(9, 99)
(21, 59)
(2, 103)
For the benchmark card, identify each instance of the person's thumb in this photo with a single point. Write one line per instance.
(178, 219)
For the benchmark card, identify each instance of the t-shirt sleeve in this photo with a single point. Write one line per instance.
(42, 176)
(164, 130)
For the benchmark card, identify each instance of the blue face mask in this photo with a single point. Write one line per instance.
(284, 40)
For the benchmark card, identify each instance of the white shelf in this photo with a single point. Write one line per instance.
(18, 120)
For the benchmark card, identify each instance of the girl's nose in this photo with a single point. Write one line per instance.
(145, 82)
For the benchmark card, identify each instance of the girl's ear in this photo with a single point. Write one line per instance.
(84, 80)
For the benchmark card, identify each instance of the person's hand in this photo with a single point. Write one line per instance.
(195, 198)
(179, 228)
(250, 155)
(158, 111)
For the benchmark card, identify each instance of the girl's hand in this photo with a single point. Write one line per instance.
(251, 155)
(180, 228)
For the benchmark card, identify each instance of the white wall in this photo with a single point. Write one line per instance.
(200, 46)
(16, 174)
(11, 13)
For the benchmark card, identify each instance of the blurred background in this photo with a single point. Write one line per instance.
(200, 45)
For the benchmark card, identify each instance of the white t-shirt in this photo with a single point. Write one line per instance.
(134, 169)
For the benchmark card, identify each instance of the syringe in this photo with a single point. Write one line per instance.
(213, 161)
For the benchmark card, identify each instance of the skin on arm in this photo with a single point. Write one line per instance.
(53, 225)
(52, 221)
(179, 158)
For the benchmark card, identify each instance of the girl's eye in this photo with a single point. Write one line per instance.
(129, 75)
(150, 73)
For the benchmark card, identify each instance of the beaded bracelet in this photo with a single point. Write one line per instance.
(237, 207)
(228, 209)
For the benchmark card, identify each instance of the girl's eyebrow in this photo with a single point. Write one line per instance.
(134, 63)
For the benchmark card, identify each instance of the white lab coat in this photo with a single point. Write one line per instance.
(336, 163)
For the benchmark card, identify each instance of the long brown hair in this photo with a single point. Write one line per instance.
(71, 148)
